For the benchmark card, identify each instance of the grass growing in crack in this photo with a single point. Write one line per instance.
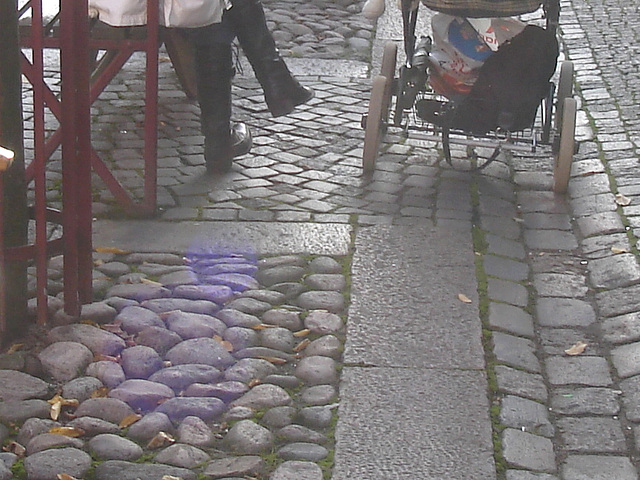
(480, 246)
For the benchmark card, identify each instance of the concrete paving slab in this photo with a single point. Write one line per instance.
(259, 238)
(405, 307)
(429, 425)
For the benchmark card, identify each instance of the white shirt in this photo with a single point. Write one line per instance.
(172, 13)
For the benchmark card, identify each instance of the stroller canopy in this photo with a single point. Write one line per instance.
(483, 8)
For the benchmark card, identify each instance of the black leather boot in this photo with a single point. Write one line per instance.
(222, 140)
(282, 91)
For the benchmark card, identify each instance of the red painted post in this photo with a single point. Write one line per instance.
(76, 148)
(151, 113)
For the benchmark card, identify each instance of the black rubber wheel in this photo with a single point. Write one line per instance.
(564, 157)
(374, 124)
(565, 90)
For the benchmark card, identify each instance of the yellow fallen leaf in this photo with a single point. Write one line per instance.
(15, 448)
(302, 345)
(162, 439)
(253, 382)
(105, 358)
(263, 326)
(622, 200)
(170, 477)
(617, 250)
(56, 408)
(57, 402)
(274, 360)
(100, 392)
(228, 346)
(114, 250)
(463, 298)
(64, 476)
(576, 349)
(15, 347)
(150, 282)
(302, 333)
(129, 420)
(67, 431)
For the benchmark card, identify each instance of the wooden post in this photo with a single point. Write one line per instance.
(14, 198)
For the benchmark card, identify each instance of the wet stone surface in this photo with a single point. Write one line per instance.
(176, 364)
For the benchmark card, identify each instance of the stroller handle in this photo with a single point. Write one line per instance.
(487, 8)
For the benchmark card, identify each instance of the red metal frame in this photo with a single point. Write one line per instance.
(72, 109)
(123, 50)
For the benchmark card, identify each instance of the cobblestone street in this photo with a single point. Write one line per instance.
(422, 322)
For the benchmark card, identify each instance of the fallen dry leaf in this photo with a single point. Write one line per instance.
(622, 200)
(253, 382)
(114, 250)
(617, 250)
(101, 392)
(64, 476)
(162, 439)
(73, 432)
(302, 345)
(577, 349)
(170, 477)
(274, 360)
(15, 347)
(56, 408)
(302, 333)
(263, 326)
(57, 402)
(150, 282)
(129, 420)
(228, 346)
(464, 299)
(15, 448)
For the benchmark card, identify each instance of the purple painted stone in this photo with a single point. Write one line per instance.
(225, 391)
(140, 361)
(194, 325)
(219, 294)
(239, 282)
(138, 291)
(180, 377)
(243, 268)
(158, 338)
(97, 340)
(206, 408)
(204, 351)
(164, 305)
(142, 395)
(109, 373)
(133, 319)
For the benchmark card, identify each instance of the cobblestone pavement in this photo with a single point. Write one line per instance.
(553, 271)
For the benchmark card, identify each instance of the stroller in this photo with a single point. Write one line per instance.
(483, 80)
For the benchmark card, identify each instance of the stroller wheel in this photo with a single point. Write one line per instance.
(388, 70)
(564, 157)
(374, 124)
(565, 90)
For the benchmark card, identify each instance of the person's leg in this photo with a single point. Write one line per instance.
(214, 71)
(282, 91)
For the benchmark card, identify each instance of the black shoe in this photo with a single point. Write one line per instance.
(241, 141)
(220, 149)
(218, 155)
(283, 103)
